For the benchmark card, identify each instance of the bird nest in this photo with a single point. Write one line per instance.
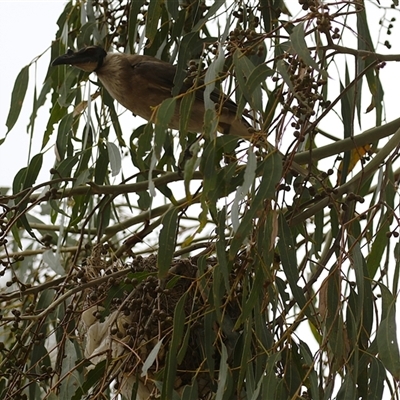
(137, 322)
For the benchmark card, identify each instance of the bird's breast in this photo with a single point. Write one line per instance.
(129, 88)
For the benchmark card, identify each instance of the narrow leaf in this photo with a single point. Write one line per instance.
(211, 74)
(242, 191)
(53, 261)
(287, 253)
(177, 335)
(153, 16)
(17, 97)
(272, 168)
(379, 245)
(348, 389)
(299, 44)
(167, 241)
(114, 155)
(65, 167)
(387, 343)
(151, 357)
(33, 170)
(377, 376)
(164, 114)
(223, 372)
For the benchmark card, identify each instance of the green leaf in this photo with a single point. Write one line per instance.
(167, 242)
(250, 79)
(346, 107)
(73, 378)
(104, 215)
(243, 190)
(39, 102)
(91, 379)
(218, 291)
(271, 174)
(379, 245)
(257, 78)
(190, 392)
(223, 372)
(19, 180)
(184, 346)
(56, 114)
(177, 336)
(63, 136)
(312, 376)
(387, 343)
(334, 326)
(164, 115)
(17, 97)
(246, 350)
(151, 357)
(365, 306)
(297, 38)
(210, 13)
(172, 8)
(224, 266)
(287, 252)
(270, 381)
(209, 338)
(153, 16)
(365, 43)
(212, 72)
(282, 67)
(185, 110)
(101, 168)
(376, 380)
(109, 102)
(243, 68)
(255, 293)
(33, 170)
(210, 124)
(190, 45)
(83, 178)
(65, 167)
(16, 237)
(134, 10)
(114, 155)
(144, 145)
(190, 166)
(208, 169)
(348, 390)
(53, 261)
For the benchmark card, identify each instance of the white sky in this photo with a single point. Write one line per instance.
(26, 30)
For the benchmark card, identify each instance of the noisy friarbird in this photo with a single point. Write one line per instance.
(141, 83)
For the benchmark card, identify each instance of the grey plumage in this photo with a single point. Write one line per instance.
(141, 83)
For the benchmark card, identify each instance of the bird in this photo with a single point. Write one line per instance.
(141, 82)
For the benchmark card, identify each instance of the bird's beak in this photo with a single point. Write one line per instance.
(80, 59)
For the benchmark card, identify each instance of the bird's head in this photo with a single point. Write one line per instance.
(88, 59)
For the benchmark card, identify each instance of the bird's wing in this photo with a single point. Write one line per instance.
(160, 75)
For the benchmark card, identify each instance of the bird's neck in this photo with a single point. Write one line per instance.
(112, 76)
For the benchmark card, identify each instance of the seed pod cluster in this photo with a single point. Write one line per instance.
(138, 310)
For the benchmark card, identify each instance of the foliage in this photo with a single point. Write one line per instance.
(154, 264)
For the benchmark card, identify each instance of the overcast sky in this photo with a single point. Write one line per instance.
(26, 30)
